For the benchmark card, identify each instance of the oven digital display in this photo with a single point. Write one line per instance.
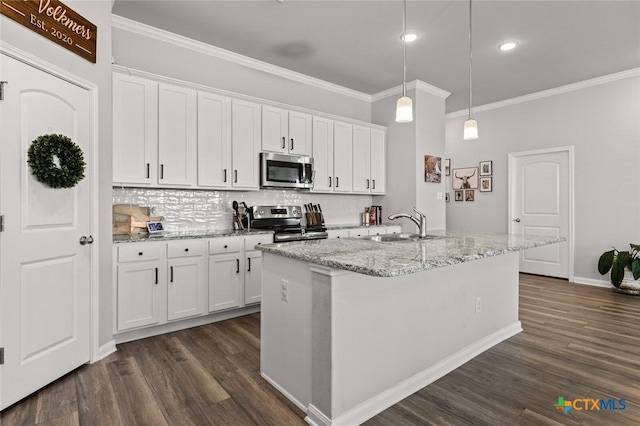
(278, 211)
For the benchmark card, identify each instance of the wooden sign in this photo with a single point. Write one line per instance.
(55, 21)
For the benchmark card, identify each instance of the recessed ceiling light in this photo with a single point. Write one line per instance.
(505, 46)
(410, 36)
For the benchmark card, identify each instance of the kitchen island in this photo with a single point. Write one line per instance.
(352, 326)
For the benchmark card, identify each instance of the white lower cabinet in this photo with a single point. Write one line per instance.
(225, 281)
(358, 232)
(187, 272)
(253, 277)
(337, 233)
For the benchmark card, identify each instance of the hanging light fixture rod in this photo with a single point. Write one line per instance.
(404, 106)
(471, 125)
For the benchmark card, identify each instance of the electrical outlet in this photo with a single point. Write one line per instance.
(478, 304)
(284, 290)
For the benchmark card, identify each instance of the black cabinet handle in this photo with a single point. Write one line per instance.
(156, 275)
(161, 171)
(291, 144)
(225, 175)
(235, 176)
(186, 249)
(226, 246)
(140, 253)
(367, 183)
(147, 170)
(329, 181)
(171, 280)
(284, 142)
(374, 184)
(237, 266)
(337, 181)
(249, 261)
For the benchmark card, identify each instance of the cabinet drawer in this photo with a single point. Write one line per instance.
(338, 233)
(185, 248)
(139, 252)
(254, 240)
(378, 230)
(358, 232)
(225, 245)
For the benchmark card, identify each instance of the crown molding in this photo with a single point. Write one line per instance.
(634, 72)
(139, 28)
(415, 84)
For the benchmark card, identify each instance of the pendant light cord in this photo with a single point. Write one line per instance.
(470, 61)
(404, 49)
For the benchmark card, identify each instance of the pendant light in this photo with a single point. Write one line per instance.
(404, 107)
(471, 125)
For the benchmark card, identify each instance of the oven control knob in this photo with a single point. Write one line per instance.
(260, 211)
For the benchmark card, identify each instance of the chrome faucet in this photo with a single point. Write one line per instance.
(420, 221)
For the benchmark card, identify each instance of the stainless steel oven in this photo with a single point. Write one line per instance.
(285, 171)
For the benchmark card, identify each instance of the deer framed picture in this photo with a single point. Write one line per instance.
(466, 178)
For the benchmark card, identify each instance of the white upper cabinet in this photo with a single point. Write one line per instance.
(361, 159)
(284, 131)
(135, 130)
(177, 143)
(214, 141)
(342, 156)
(245, 133)
(378, 162)
(322, 154)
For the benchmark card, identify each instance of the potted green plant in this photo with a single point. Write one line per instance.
(623, 266)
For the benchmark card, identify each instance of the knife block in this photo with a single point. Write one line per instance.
(314, 219)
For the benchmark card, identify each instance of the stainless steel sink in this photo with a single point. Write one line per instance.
(400, 238)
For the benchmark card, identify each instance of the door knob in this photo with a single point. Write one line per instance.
(86, 240)
(517, 220)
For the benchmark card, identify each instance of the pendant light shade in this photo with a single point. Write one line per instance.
(471, 125)
(470, 130)
(404, 107)
(404, 110)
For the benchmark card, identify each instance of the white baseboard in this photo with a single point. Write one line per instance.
(106, 350)
(386, 399)
(284, 392)
(592, 282)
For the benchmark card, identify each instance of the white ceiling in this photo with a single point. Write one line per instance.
(356, 43)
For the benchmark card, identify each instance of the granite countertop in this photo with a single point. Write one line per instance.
(352, 226)
(183, 235)
(390, 259)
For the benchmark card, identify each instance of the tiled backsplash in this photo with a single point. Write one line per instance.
(200, 210)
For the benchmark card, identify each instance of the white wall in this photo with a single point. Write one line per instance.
(136, 51)
(99, 13)
(603, 123)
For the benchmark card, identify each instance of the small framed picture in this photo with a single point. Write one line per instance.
(447, 166)
(486, 184)
(469, 195)
(459, 195)
(486, 168)
(447, 198)
(155, 227)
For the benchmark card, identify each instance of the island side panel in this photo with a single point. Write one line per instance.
(285, 351)
(393, 336)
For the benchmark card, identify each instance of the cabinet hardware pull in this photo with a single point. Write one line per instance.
(161, 171)
(225, 246)
(249, 260)
(235, 176)
(237, 266)
(156, 276)
(186, 249)
(291, 144)
(284, 142)
(147, 170)
(337, 181)
(329, 181)
(225, 175)
(367, 183)
(139, 253)
(374, 184)
(171, 280)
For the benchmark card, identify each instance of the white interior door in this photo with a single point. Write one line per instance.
(540, 204)
(45, 272)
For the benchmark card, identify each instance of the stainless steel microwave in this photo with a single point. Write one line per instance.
(285, 171)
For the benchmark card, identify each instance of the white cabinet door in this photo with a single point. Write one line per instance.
(245, 135)
(186, 287)
(299, 142)
(177, 142)
(214, 141)
(378, 163)
(253, 277)
(138, 294)
(342, 156)
(275, 123)
(361, 159)
(135, 130)
(358, 232)
(322, 154)
(225, 281)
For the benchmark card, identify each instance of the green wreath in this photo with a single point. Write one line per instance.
(56, 161)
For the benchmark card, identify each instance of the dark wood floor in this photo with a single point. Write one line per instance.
(578, 342)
